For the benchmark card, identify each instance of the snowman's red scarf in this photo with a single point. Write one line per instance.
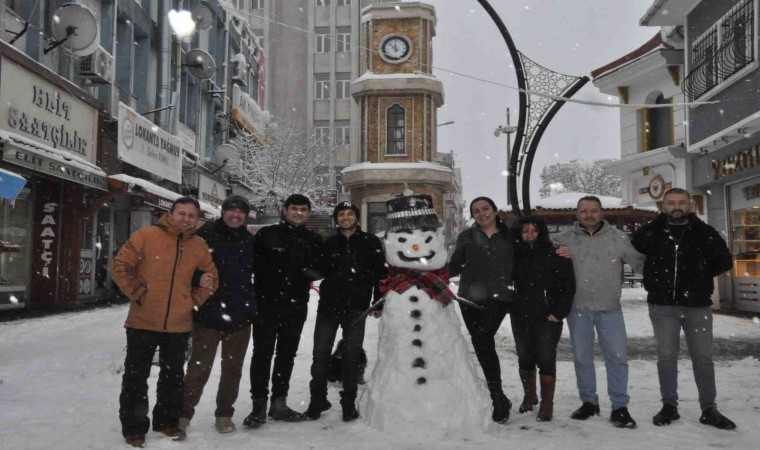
(434, 283)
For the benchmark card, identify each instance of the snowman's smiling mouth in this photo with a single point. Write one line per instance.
(408, 259)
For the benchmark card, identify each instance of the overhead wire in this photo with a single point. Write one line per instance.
(496, 83)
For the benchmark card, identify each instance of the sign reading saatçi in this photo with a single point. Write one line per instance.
(143, 144)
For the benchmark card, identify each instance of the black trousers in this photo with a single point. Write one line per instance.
(133, 401)
(482, 326)
(325, 330)
(536, 344)
(276, 328)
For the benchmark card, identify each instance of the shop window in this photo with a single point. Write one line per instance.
(745, 242)
(376, 212)
(15, 222)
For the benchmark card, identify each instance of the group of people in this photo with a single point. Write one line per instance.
(577, 275)
(222, 284)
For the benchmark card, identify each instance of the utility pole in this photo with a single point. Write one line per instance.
(508, 130)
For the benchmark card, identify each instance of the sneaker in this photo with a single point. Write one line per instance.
(136, 440)
(711, 416)
(622, 419)
(667, 414)
(586, 410)
(224, 425)
(174, 433)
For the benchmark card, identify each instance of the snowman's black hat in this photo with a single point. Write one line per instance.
(411, 212)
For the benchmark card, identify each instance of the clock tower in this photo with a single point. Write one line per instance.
(398, 98)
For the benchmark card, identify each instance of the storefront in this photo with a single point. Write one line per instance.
(731, 176)
(744, 221)
(48, 138)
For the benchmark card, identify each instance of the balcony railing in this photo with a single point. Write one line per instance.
(722, 51)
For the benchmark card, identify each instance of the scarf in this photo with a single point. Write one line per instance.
(434, 283)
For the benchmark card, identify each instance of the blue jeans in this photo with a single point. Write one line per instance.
(610, 327)
(697, 324)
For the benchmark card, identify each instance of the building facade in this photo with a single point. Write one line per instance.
(716, 154)
(108, 134)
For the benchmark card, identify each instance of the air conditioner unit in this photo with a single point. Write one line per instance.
(97, 67)
(239, 68)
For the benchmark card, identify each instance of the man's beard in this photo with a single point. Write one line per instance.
(684, 218)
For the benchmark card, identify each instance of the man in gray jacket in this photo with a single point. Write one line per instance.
(599, 251)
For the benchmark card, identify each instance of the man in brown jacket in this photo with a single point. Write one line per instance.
(154, 269)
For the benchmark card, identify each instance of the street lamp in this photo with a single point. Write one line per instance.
(445, 123)
(508, 130)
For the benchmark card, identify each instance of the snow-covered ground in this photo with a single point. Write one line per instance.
(60, 378)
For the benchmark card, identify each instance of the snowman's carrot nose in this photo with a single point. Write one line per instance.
(416, 247)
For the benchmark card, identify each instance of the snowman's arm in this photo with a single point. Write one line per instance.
(368, 311)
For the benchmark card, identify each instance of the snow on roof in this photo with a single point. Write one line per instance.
(569, 200)
(63, 156)
(396, 166)
(654, 44)
(163, 192)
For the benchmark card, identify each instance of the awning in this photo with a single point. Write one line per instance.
(10, 184)
(62, 164)
(156, 195)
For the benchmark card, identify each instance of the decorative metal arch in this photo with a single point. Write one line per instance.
(536, 111)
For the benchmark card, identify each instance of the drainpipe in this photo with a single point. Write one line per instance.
(177, 76)
(226, 66)
(114, 109)
(165, 56)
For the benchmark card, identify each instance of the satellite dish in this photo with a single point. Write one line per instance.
(226, 154)
(200, 64)
(203, 17)
(76, 26)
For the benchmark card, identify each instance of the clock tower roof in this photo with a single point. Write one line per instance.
(395, 11)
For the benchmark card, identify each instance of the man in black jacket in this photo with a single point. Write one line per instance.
(225, 317)
(683, 255)
(354, 266)
(287, 259)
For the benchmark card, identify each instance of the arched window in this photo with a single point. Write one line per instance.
(658, 125)
(396, 131)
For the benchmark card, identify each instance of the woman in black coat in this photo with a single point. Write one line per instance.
(544, 289)
(484, 259)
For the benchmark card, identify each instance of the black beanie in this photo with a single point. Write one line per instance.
(343, 206)
(236, 201)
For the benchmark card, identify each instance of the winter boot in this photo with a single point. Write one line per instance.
(501, 407)
(279, 410)
(666, 416)
(711, 416)
(528, 379)
(224, 425)
(347, 402)
(317, 406)
(546, 410)
(136, 440)
(183, 424)
(258, 416)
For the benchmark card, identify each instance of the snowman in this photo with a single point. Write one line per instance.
(424, 382)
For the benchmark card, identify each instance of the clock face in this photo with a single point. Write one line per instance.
(395, 48)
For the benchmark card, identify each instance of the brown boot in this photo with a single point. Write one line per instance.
(546, 410)
(529, 386)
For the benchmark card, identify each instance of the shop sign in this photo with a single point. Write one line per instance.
(741, 161)
(46, 238)
(145, 145)
(166, 204)
(37, 109)
(247, 112)
(37, 161)
(211, 191)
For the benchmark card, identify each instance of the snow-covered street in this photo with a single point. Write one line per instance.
(60, 379)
